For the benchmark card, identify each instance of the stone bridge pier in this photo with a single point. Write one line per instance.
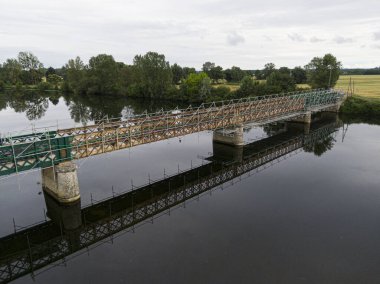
(61, 182)
(233, 137)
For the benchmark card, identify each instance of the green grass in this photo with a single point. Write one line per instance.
(366, 86)
(358, 105)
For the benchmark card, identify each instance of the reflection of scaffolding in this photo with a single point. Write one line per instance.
(25, 152)
(114, 215)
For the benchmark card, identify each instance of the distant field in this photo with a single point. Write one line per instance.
(367, 86)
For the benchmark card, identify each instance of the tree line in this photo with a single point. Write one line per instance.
(152, 76)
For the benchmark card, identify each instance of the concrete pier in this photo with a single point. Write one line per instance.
(232, 137)
(69, 216)
(306, 118)
(61, 182)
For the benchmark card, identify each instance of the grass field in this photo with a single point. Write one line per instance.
(366, 86)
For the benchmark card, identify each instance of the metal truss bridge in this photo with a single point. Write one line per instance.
(29, 250)
(48, 148)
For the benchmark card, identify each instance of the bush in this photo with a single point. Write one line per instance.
(360, 106)
(44, 86)
(2, 86)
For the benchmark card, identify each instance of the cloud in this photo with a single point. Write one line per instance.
(234, 38)
(376, 36)
(316, 39)
(296, 37)
(342, 40)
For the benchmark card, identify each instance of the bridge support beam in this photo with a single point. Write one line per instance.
(232, 137)
(61, 182)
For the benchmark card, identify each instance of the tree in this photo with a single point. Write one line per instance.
(323, 72)
(153, 76)
(103, 75)
(281, 80)
(33, 67)
(177, 72)
(235, 74)
(50, 71)
(268, 69)
(196, 87)
(11, 71)
(54, 79)
(187, 71)
(299, 75)
(74, 76)
(207, 66)
(259, 75)
(247, 87)
(216, 73)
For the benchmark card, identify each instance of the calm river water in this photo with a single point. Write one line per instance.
(311, 216)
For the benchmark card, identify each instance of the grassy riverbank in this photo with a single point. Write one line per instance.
(359, 105)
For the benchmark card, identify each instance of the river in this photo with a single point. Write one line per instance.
(310, 215)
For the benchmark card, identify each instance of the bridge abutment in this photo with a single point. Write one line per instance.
(61, 182)
(232, 137)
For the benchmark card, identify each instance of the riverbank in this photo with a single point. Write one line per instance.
(362, 106)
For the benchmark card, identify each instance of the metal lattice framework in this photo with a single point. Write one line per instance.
(195, 183)
(25, 152)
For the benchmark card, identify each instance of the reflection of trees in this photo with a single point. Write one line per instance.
(80, 113)
(3, 101)
(36, 109)
(32, 103)
(320, 146)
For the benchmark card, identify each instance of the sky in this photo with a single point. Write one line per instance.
(244, 33)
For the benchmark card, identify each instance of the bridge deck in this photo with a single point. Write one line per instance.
(26, 152)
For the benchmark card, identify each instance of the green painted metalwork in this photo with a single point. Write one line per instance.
(25, 152)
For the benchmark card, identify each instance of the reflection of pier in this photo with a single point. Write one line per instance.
(29, 250)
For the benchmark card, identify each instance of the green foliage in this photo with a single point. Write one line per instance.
(152, 75)
(360, 106)
(31, 66)
(177, 72)
(44, 86)
(11, 71)
(2, 86)
(75, 74)
(50, 71)
(269, 68)
(281, 81)
(103, 76)
(323, 72)
(54, 80)
(235, 74)
(214, 72)
(196, 87)
(299, 75)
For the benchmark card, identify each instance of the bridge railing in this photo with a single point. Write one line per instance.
(46, 149)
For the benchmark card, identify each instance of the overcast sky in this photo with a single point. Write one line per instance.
(245, 33)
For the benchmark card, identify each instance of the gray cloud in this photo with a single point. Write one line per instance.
(315, 39)
(234, 38)
(296, 37)
(342, 40)
(192, 32)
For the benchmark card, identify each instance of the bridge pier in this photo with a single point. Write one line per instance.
(69, 216)
(232, 137)
(227, 153)
(61, 182)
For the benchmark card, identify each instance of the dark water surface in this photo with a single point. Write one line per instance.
(312, 216)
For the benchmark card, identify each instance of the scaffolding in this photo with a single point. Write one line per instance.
(44, 149)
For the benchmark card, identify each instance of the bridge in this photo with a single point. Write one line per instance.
(73, 229)
(52, 150)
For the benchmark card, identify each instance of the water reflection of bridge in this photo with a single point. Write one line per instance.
(73, 229)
